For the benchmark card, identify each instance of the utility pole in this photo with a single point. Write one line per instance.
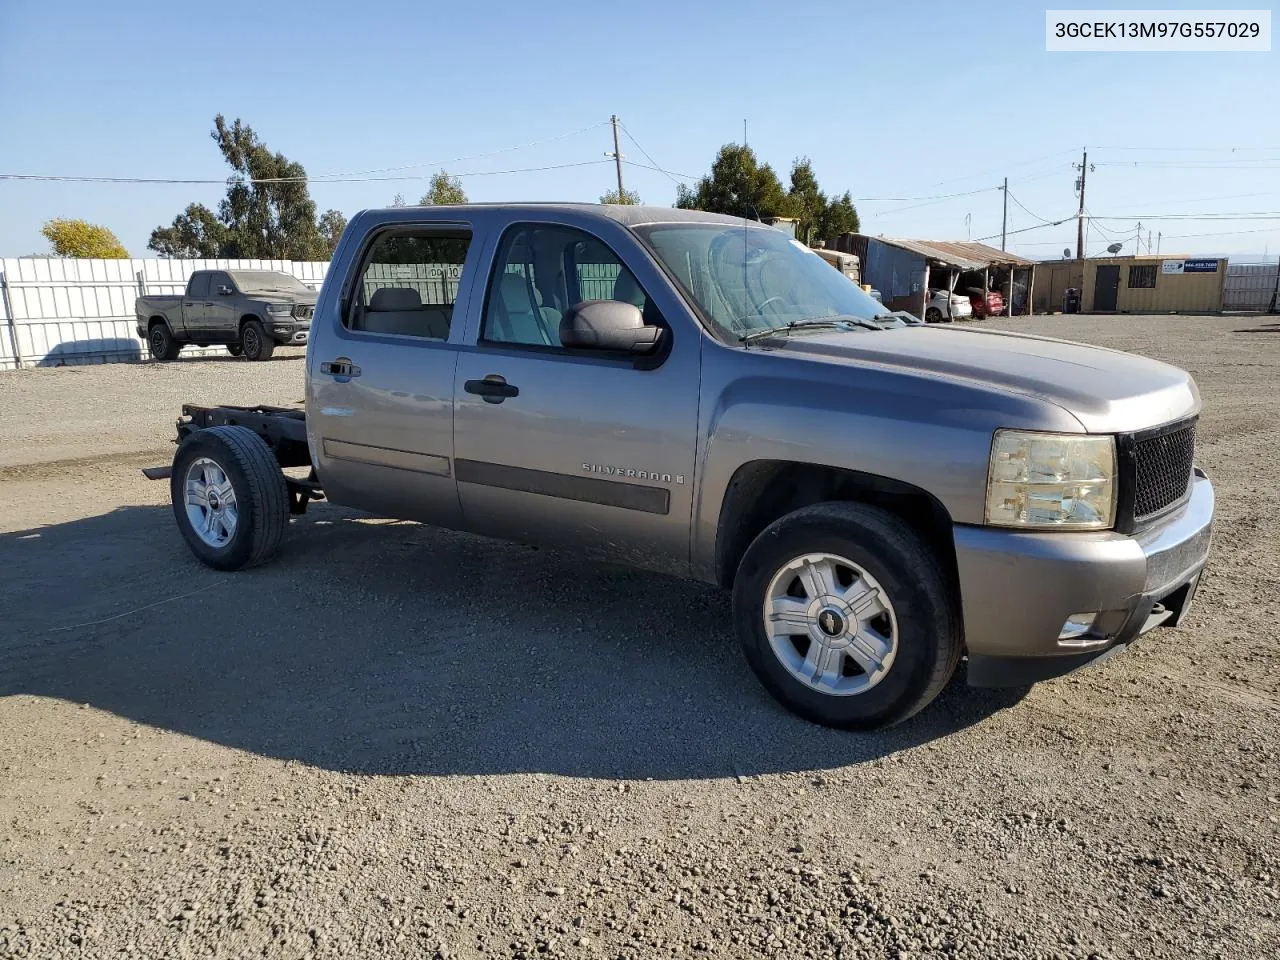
(1004, 221)
(1137, 251)
(617, 158)
(744, 131)
(1084, 169)
(1159, 237)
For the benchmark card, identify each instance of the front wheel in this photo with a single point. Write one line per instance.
(845, 616)
(933, 315)
(235, 349)
(255, 342)
(229, 497)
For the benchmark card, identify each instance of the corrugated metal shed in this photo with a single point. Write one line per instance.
(965, 254)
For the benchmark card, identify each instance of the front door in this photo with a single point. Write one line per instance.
(1106, 288)
(220, 314)
(581, 448)
(380, 395)
(195, 305)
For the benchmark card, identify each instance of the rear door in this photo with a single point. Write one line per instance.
(380, 376)
(194, 304)
(580, 448)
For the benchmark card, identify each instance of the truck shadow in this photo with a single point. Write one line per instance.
(378, 647)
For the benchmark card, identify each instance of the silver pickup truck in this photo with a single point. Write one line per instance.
(702, 396)
(248, 311)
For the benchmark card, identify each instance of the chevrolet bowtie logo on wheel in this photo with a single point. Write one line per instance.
(831, 623)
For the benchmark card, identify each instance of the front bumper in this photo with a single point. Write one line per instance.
(1018, 589)
(287, 330)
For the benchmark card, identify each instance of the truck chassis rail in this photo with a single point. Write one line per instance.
(284, 429)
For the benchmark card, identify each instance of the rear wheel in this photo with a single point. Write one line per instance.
(255, 342)
(229, 497)
(845, 616)
(161, 343)
(235, 349)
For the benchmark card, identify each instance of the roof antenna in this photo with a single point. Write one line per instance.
(754, 212)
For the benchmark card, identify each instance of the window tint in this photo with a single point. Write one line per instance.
(216, 283)
(542, 271)
(199, 285)
(409, 284)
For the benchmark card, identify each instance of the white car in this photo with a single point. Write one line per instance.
(946, 306)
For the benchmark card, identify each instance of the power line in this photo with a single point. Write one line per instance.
(226, 180)
(656, 166)
(1025, 210)
(1038, 226)
(670, 173)
(472, 156)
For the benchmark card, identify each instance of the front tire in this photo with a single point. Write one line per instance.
(845, 616)
(235, 349)
(229, 497)
(161, 344)
(933, 315)
(255, 342)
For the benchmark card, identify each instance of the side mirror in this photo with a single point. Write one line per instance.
(224, 290)
(608, 325)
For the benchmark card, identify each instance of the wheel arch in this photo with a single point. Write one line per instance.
(159, 318)
(245, 318)
(762, 491)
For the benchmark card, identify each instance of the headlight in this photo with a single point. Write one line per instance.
(1051, 481)
(279, 308)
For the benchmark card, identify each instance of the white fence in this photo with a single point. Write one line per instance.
(1249, 286)
(56, 311)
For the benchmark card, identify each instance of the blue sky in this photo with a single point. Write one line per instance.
(897, 100)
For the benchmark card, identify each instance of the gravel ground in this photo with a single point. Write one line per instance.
(402, 742)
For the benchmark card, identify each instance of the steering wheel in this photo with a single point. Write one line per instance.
(760, 309)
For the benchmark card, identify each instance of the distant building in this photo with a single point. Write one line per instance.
(1148, 284)
(905, 270)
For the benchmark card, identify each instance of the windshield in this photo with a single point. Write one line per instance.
(751, 278)
(268, 281)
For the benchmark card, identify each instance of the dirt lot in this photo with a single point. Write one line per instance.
(397, 741)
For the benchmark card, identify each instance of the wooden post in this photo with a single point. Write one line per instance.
(986, 288)
(1031, 290)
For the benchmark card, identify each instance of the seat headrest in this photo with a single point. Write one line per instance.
(395, 298)
(627, 290)
(514, 293)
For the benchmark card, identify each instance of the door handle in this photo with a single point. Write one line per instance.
(493, 388)
(341, 369)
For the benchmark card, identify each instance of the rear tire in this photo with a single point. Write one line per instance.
(255, 342)
(235, 349)
(845, 616)
(161, 343)
(229, 497)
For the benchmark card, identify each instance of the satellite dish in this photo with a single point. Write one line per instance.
(1066, 253)
(1114, 248)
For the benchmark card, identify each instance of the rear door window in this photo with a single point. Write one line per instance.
(409, 284)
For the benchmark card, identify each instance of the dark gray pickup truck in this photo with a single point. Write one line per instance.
(701, 395)
(247, 311)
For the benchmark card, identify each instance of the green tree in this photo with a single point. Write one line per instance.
(809, 203)
(626, 197)
(840, 217)
(80, 238)
(331, 226)
(398, 200)
(443, 189)
(267, 213)
(738, 185)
